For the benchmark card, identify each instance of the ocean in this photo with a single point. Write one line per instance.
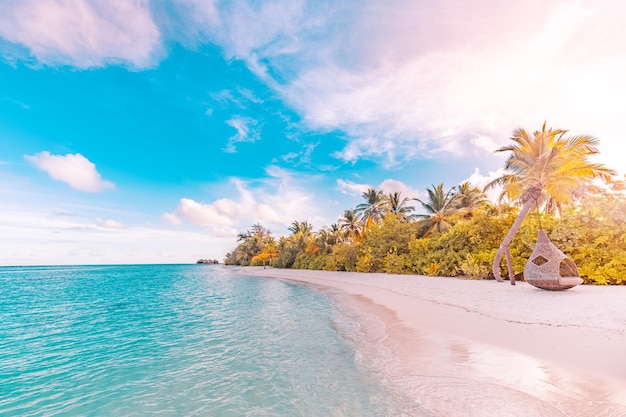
(181, 340)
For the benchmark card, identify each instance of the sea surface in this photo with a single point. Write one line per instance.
(180, 340)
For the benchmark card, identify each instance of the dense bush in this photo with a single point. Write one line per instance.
(592, 233)
(342, 258)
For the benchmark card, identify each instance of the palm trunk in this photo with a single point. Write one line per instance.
(504, 246)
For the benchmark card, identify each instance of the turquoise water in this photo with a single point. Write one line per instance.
(178, 340)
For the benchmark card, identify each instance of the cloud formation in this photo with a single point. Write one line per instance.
(73, 169)
(404, 80)
(83, 33)
(409, 80)
(388, 186)
(38, 238)
(248, 130)
(109, 224)
(479, 180)
(275, 201)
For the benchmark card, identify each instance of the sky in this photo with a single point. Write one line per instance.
(155, 131)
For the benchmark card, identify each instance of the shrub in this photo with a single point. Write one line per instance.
(473, 268)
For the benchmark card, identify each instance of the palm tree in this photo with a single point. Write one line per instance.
(326, 238)
(301, 228)
(251, 244)
(301, 234)
(543, 167)
(350, 226)
(375, 207)
(270, 251)
(399, 205)
(469, 197)
(440, 207)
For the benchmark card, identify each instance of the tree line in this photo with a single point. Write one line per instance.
(548, 179)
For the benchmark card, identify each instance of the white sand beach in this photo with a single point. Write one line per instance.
(482, 348)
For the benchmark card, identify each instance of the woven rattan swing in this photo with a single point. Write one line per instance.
(550, 269)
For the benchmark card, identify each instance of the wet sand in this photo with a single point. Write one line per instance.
(482, 348)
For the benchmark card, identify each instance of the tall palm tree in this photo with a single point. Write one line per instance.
(469, 197)
(374, 208)
(440, 207)
(350, 226)
(303, 228)
(252, 242)
(543, 167)
(301, 233)
(400, 205)
(326, 238)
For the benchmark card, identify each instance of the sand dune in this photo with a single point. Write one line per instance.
(481, 348)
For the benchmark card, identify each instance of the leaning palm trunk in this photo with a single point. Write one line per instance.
(543, 162)
(504, 246)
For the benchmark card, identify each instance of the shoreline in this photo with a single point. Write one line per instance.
(475, 345)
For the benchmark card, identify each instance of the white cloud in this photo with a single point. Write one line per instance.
(275, 201)
(171, 218)
(480, 181)
(46, 229)
(392, 186)
(247, 129)
(38, 239)
(225, 232)
(109, 224)
(469, 75)
(387, 186)
(251, 28)
(201, 214)
(351, 187)
(83, 33)
(73, 169)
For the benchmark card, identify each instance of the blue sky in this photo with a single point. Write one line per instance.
(149, 132)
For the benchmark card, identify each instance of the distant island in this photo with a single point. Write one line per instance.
(208, 261)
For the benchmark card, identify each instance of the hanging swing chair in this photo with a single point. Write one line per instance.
(550, 269)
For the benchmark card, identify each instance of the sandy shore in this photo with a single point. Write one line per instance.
(481, 348)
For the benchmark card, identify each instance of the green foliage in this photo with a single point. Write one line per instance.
(592, 233)
(432, 270)
(286, 257)
(342, 258)
(469, 247)
(254, 241)
(306, 260)
(441, 254)
(256, 262)
(390, 237)
(396, 264)
(367, 262)
(473, 268)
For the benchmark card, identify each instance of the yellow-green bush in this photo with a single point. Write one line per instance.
(592, 234)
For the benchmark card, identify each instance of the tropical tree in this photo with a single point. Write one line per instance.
(269, 251)
(350, 226)
(440, 207)
(469, 198)
(251, 243)
(301, 234)
(326, 238)
(303, 228)
(542, 168)
(400, 205)
(374, 208)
